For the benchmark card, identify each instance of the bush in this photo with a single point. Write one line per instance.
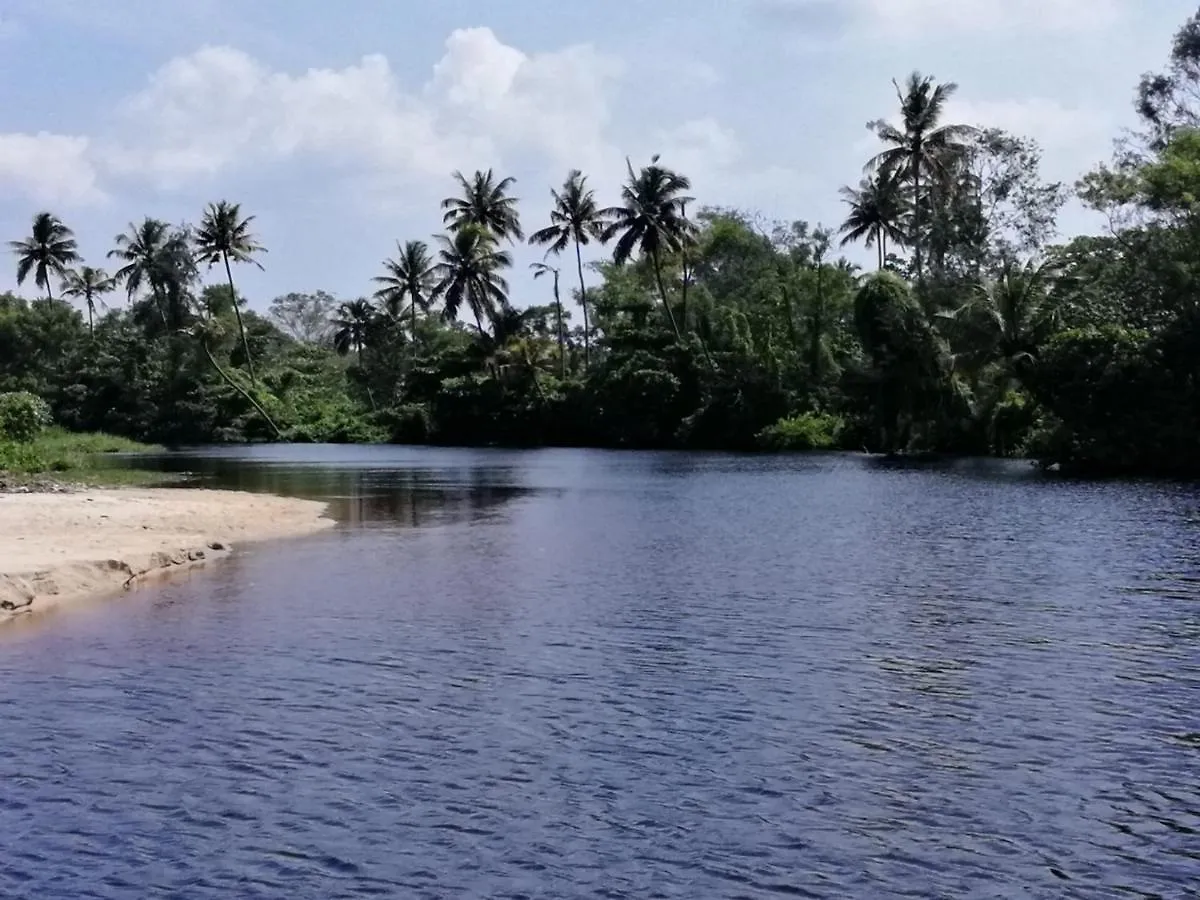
(23, 416)
(807, 431)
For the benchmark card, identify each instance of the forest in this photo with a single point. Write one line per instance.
(665, 323)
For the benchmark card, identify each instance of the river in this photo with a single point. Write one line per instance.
(572, 674)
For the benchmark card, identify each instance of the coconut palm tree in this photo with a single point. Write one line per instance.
(923, 149)
(88, 284)
(353, 322)
(410, 278)
(575, 219)
(1007, 319)
(651, 221)
(541, 269)
(877, 213)
(468, 272)
(140, 250)
(224, 236)
(484, 202)
(49, 250)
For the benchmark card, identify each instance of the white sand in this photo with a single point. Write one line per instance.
(56, 548)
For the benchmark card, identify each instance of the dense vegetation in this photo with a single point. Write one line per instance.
(697, 327)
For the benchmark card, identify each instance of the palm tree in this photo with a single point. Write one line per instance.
(468, 271)
(484, 202)
(575, 219)
(353, 323)
(410, 276)
(140, 250)
(223, 236)
(540, 269)
(877, 212)
(923, 147)
(49, 250)
(88, 284)
(651, 221)
(1006, 320)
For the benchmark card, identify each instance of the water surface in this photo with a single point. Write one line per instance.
(583, 674)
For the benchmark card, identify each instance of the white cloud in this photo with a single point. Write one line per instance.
(49, 169)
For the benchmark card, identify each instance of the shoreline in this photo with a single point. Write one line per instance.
(62, 548)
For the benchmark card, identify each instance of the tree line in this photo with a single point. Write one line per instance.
(975, 332)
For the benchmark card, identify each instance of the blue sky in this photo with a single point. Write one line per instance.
(338, 124)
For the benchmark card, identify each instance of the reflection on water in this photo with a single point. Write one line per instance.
(582, 674)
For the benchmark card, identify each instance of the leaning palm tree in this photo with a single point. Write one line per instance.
(224, 236)
(49, 250)
(484, 202)
(353, 324)
(409, 278)
(88, 284)
(651, 221)
(923, 148)
(540, 269)
(877, 213)
(575, 219)
(468, 270)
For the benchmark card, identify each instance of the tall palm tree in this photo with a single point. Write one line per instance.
(539, 270)
(484, 202)
(88, 284)
(353, 322)
(139, 249)
(468, 272)
(225, 236)
(651, 221)
(409, 277)
(923, 148)
(575, 219)
(877, 212)
(49, 250)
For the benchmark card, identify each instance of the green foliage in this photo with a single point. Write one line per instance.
(806, 431)
(23, 416)
(55, 450)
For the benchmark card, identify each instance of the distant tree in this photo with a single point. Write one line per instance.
(877, 213)
(409, 279)
(353, 326)
(224, 236)
(89, 285)
(304, 317)
(923, 150)
(651, 222)
(541, 269)
(575, 219)
(49, 251)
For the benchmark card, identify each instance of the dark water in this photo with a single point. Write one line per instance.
(573, 674)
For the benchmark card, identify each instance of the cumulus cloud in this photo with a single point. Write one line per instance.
(50, 169)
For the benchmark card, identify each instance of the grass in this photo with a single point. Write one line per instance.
(65, 456)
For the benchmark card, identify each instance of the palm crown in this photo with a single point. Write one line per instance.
(468, 272)
(484, 202)
(49, 250)
(87, 284)
(877, 214)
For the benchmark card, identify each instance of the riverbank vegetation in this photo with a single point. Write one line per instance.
(662, 322)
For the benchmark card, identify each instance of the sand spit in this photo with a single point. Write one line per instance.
(56, 548)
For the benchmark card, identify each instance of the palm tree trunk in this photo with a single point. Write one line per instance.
(241, 325)
(662, 292)
(816, 325)
(414, 334)
(479, 324)
(562, 341)
(241, 390)
(91, 311)
(587, 327)
(917, 218)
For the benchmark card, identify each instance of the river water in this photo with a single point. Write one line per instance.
(580, 674)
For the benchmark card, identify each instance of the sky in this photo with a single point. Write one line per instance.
(338, 125)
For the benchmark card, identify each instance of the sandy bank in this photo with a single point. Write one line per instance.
(55, 548)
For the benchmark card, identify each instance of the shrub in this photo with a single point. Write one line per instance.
(807, 431)
(23, 416)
